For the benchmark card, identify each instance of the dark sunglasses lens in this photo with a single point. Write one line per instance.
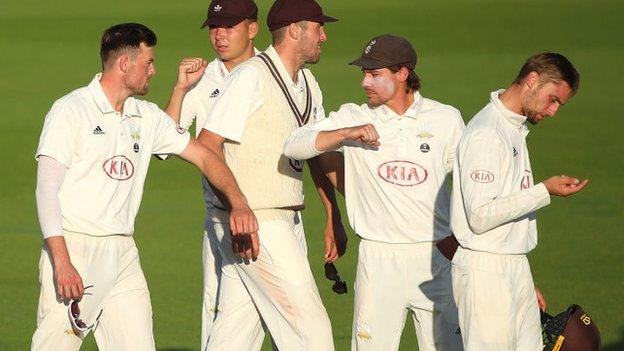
(340, 287)
(81, 324)
(331, 272)
(75, 310)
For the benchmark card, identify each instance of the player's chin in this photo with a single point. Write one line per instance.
(142, 91)
(374, 101)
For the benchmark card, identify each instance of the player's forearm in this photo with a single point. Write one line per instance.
(174, 107)
(501, 210)
(57, 248)
(221, 177)
(325, 189)
(213, 166)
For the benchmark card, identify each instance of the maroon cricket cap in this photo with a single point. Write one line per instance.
(285, 12)
(385, 51)
(230, 12)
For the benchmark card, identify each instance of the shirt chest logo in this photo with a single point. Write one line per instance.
(214, 94)
(402, 173)
(136, 137)
(98, 131)
(118, 167)
(482, 176)
(424, 132)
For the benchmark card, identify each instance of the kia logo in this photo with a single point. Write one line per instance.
(403, 173)
(118, 167)
(482, 176)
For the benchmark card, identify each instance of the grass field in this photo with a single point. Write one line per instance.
(466, 49)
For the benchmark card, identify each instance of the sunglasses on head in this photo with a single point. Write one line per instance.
(78, 324)
(331, 273)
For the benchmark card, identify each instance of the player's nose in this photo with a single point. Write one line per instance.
(323, 36)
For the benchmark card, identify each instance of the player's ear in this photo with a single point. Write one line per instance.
(294, 31)
(123, 63)
(532, 80)
(252, 30)
(403, 74)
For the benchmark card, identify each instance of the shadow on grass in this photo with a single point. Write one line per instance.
(617, 346)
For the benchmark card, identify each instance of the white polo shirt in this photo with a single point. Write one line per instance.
(242, 95)
(107, 155)
(398, 193)
(494, 198)
(196, 105)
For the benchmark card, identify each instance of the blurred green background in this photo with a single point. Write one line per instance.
(466, 49)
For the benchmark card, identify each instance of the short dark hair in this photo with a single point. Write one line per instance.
(551, 66)
(122, 37)
(413, 80)
(278, 35)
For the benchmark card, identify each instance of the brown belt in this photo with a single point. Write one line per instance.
(448, 246)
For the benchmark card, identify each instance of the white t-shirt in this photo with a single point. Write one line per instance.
(494, 198)
(397, 193)
(107, 155)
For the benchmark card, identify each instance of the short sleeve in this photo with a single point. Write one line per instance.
(169, 138)
(241, 97)
(58, 137)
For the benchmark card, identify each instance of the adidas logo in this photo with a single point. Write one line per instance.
(98, 131)
(215, 93)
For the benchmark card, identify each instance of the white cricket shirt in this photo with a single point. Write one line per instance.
(398, 193)
(107, 155)
(494, 198)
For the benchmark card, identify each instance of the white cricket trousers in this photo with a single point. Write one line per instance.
(393, 279)
(277, 291)
(118, 303)
(496, 301)
(211, 260)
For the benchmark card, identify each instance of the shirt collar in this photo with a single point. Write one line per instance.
(513, 118)
(95, 88)
(385, 113)
(282, 70)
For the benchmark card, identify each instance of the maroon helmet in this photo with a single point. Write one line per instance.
(570, 330)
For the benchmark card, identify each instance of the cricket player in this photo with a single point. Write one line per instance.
(263, 100)
(232, 28)
(398, 151)
(93, 157)
(494, 204)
